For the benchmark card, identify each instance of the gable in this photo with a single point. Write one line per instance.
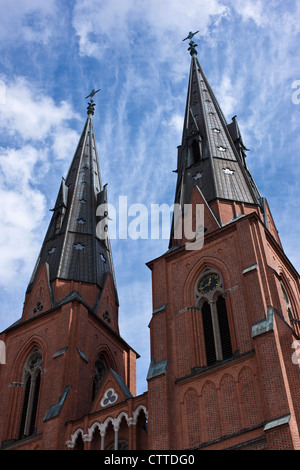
(38, 300)
(106, 307)
(198, 220)
(113, 390)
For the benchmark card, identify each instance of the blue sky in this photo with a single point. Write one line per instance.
(53, 53)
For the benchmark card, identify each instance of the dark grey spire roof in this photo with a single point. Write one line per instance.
(71, 246)
(212, 154)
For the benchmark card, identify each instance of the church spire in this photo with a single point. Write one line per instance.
(212, 154)
(72, 247)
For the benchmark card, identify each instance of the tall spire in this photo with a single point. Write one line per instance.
(212, 154)
(72, 247)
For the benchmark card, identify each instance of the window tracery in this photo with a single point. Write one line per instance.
(209, 294)
(31, 381)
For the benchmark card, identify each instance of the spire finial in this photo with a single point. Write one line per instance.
(91, 104)
(91, 107)
(192, 48)
(192, 45)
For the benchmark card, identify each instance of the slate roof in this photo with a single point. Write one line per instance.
(220, 169)
(72, 246)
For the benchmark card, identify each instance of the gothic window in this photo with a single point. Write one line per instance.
(216, 332)
(31, 381)
(100, 371)
(288, 304)
(224, 327)
(209, 340)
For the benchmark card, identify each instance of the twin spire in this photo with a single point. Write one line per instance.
(211, 156)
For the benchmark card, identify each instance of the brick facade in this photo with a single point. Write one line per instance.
(225, 328)
(229, 403)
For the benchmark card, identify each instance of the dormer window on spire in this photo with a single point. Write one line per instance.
(194, 151)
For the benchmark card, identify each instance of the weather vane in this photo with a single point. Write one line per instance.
(192, 44)
(92, 94)
(91, 104)
(190, 35)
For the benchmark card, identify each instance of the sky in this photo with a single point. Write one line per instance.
(54, 53)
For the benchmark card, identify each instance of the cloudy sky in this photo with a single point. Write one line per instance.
(54, 52)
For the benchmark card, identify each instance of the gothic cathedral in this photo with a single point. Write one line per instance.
(223, 373)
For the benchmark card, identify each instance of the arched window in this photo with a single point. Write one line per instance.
(209, 295)
(100, 371)
(31, 380)
(288, 304)
(209, 340)
(224, 328)
(79, 444)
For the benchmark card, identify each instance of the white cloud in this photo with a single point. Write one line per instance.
(22, 213)
(29, 21)
(35, 131)
(250, 10)
(29, 112)
(175, 123)
(135, 23)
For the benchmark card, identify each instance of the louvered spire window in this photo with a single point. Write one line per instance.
(194, 151)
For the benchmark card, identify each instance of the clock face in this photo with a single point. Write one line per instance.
(209, 283)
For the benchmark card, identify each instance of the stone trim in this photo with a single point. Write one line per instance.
(274, 423)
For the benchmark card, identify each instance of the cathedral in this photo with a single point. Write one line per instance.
(225, 325)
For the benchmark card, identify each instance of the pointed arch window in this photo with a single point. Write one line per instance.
(210, 298)
(100, 371)
(32, 381)
(288, 304)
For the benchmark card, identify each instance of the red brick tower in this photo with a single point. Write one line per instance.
(65, 357)
(224, 372)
